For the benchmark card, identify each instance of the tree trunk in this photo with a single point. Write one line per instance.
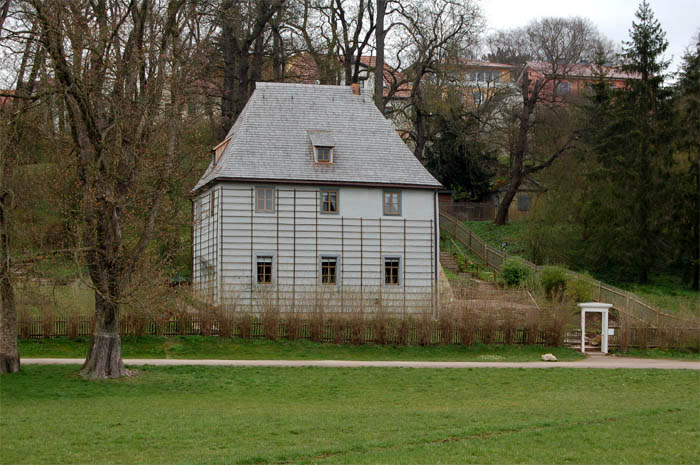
(502, 213)
(9, 355)
(105, 357)
(696, 230)
(517, 156)
(421, 138)
(379, 62)
(227, 101)
(277, 49)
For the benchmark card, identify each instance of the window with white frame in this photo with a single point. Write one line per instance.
(392, 202)
(329, 201)
(324, 154)
(392, 270)
(264, 200)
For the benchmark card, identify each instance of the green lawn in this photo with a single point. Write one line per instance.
(199, 347)
(213, 415)
(661, 353)
(512, 233)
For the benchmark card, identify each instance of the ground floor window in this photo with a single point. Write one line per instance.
(392, 265)
(329, 270)
(264, 264)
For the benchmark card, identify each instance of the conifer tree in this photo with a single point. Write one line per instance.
(686, 201)
(633, 150)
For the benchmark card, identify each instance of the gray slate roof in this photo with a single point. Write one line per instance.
(271, 140)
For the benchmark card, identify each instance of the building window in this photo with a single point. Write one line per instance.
(392, 202)
(392, 267)
(324, 154)
(329, 201)
(264, 265)
(264, 200)
(562, 88)
(329, 270)
(523, 203)
(478, 98)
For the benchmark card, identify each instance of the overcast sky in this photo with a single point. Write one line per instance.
(679, 18)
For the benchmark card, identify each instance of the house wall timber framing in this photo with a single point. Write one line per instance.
(229, 235)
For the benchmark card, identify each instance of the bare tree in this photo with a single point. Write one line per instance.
(432, 34)
(243, 25)
(13, 110)
(556, 45)
(117, 66)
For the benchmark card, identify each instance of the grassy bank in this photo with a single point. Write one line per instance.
(201, 347)
(207, 415)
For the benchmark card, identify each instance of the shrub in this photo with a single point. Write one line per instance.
(580, 288)
(340, 325)
(446, 323)
(403, 330)
(358, 327)
(226, 322)
(381, 324)
(245, 325)
(553, 280)
(467, 326)
(515, 272)
(317, 325)
(462, 263)
(292, 325)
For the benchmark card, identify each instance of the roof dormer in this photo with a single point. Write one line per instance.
(323, 145)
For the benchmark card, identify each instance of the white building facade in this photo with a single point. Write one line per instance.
(344, 216)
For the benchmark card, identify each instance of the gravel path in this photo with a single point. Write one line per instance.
(593, 361)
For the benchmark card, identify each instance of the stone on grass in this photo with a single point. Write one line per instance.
(549, 358)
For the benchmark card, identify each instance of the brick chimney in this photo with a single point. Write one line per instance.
(356, 88)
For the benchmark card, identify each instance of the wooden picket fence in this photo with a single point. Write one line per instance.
(412, 331)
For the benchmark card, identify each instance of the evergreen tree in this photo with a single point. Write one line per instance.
(458, 158)
(633, 151)
(686, 198)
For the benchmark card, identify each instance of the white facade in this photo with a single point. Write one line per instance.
(371, 259)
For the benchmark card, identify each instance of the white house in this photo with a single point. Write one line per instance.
(313, 197)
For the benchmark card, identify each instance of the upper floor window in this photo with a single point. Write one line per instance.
(329, 201)
(322, 143)
(392, 202)
(484, 76)
(264, 200)
(324, 154)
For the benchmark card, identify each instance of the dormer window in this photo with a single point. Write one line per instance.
(323, 146)
(324, 154)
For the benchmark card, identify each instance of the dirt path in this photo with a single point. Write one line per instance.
(593, 361)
